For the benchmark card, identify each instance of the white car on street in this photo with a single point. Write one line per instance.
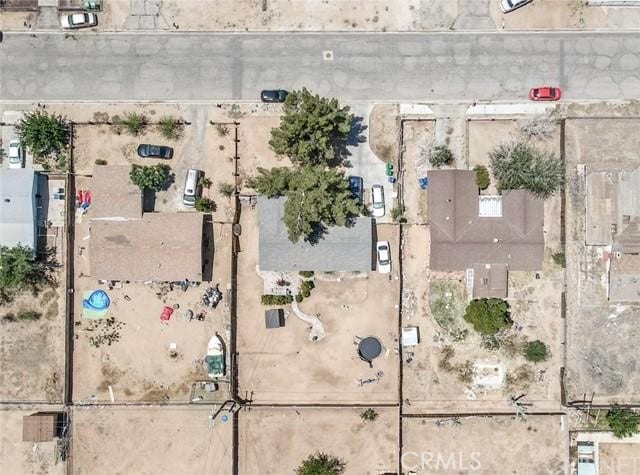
(16, 155)
(79, 20)
(384, 257)
(377, 200)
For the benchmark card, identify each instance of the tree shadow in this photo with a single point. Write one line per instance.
(354, 138)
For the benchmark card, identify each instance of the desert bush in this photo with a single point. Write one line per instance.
(483, 180)
(536, 351)
(171, 128)
(440, 156)
(226, 189)
(276, 299)
(134, 123)
(205, 205)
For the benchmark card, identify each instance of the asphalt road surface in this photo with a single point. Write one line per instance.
(387, 66)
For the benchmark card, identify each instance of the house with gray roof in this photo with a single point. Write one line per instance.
(18, 187)
(346, 249)
(468, 228)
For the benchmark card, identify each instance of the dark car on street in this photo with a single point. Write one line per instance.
(356, 188)
(275, 95)
(146, 150)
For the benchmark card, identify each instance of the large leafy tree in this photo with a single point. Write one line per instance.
(19, 271)
(313, 130)
(519, 165)
(622, 421)
(43, 134)
(153, 178)
(321, 464)
(317, 198)
(488, 316)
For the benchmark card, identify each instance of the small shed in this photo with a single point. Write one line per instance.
(38, 427)
(274, 318)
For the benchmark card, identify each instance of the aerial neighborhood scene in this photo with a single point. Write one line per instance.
(368, 237)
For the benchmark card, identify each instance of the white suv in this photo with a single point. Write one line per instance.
(377, 200)
(16, 157)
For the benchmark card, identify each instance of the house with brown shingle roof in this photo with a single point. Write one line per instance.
(469, 229)
(129, 245)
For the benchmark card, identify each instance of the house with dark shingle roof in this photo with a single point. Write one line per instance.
(469, 229)
(340, 249)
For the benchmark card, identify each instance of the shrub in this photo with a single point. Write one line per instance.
(29, 315)
(222, 130)
(440, 156)
(369, 415)
(488, 316)
(205, 205)
(134, 123)
(521, 166)
(226, 189)
(397, 213)
(536, 351)
(623, 422)
(483, 180)
(559, 258)
(276, 299)
(321, 464)
(307, 274)
(205, 182)
(101, 161)
(306, 287)
(171, 128)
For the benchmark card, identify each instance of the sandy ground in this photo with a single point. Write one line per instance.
(21, 457)
(164, 440)
(485, 446)
(417, 136)
(619, 459)
(25, 374)
(138, 366)
(341, 15)
(276, 441)
(328, 370)
(602, 351)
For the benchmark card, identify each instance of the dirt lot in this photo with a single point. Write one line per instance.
(328, 370)
(27, 374)
(138, 366)
(276, 441)
(149, 440)
(450, 369)
(418, 136)
(25, 457)
(485, 445)
(619, 459)
(602, 351)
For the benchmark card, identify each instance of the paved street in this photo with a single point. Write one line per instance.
(431, 66)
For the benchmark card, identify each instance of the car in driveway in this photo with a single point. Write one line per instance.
(384, 257)
(545, 93)
(78, 20)
(146, 150)
(508, 6)
(273, 95)
(356, 188)
(377, 200)
(16, 154)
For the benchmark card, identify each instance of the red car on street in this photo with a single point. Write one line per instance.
(545, 93)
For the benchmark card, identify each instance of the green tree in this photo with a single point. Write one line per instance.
(171, 128)
(536, 351)
(205, 205)
(19, 271)
(321, 464)
(623, 422)
(488, 316)
(440, 156)
(313, 130)
(317, 198)
(483, 180)
(369, 415)
(153, 177)
(226, 189)
(521, 166)
(43, 134)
